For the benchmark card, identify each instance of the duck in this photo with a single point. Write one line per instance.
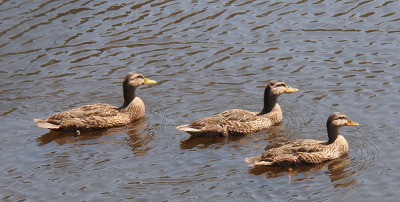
(237, 122)
(303, 152)
(101, 115)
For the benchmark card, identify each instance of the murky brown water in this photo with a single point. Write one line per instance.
(207, 56)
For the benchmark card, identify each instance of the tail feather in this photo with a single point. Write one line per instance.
(256, 161)
(44, 124)
(252, 161)
(187, 128)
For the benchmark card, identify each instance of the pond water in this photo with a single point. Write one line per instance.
(207, 57)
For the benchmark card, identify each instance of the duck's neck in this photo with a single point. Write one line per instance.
(333, 133)
(129, 94)
(270, 101)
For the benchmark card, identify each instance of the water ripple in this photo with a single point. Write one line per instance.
(207, 57)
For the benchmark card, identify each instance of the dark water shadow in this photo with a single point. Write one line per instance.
(71, 137)
(336, 170)
(204, 142)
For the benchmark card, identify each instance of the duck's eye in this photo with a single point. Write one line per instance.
(281, 85)
(138, 77)
(342, 118)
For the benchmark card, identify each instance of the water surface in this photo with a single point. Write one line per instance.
(207, 56)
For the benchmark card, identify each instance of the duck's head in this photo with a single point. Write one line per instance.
(135, 79)
(271, 93)
(339, 119)
(131, 81)
(335, 121)
(277, 87)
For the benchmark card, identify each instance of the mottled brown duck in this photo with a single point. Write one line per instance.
(239, 121)
(306, 151)
(100, 115)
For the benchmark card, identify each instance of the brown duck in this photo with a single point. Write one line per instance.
(100, 116)
(306, 151)
(239, 121)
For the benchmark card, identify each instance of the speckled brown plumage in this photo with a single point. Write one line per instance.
(306, 151)
(239, 121)
(99, 116)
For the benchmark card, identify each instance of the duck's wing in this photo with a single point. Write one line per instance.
(238, 115)
(235, 122)
(292, 148)
(294, 153)
(303, 145)
(234, 115)
(98, 109)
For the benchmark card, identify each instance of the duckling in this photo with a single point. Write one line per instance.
(100, 115)
(239, 121)
(306, 151)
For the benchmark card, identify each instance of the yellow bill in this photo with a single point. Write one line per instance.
(351, 123)
(291, 90)
(148, 81)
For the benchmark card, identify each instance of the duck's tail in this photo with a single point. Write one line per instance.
(255, 161)
(252, 160)
(187, 128)
(44, 124)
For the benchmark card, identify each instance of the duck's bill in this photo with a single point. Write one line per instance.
(351, 123)
(148, 81)
(291, 90)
